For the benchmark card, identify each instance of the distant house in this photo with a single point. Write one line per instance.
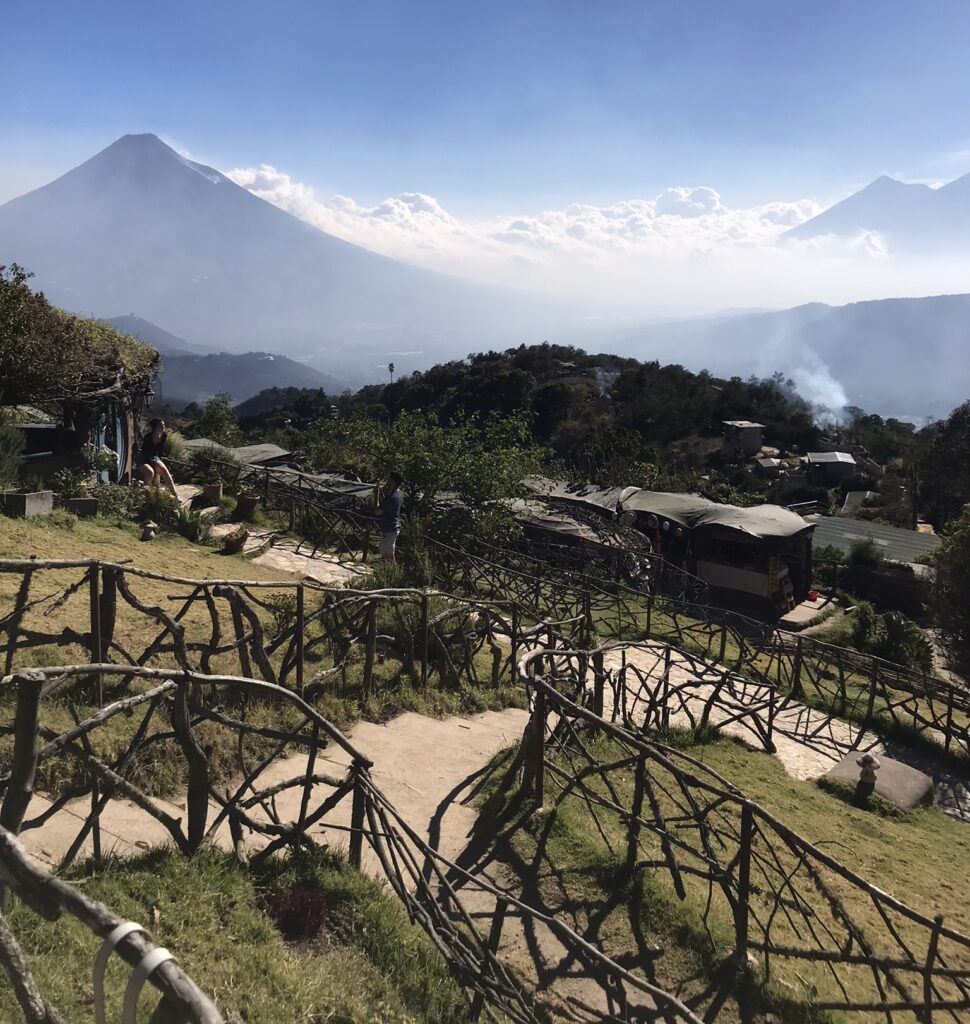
(892, 542)
(769, 467)
(742, 436)
(830, 468)
(757, 560)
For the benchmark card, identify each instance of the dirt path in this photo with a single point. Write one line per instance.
(808, 742)
(428, 769)
(284, 554)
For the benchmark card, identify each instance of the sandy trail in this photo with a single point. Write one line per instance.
(808, 742)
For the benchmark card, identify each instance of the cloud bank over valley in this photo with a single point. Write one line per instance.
(685, 250)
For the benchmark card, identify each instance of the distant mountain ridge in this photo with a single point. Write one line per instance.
(902, 357)
(144, 330)
(910, 215)
(191, 373)
(140, 227)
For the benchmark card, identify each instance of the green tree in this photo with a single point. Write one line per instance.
(217, 422)
(11, 451)
(944, 471)
(952, 594)
(458, 476)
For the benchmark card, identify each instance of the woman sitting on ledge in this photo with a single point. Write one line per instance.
(154, 472)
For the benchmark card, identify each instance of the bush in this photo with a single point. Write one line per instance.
(892, 637)
(175, 448)
(952, 595)
(191, 525)
(11, 452)
(211, 465)
(865, 552)
(69, 483)
(412, 555)
(115, 501)
(283, 609)
(157, 504)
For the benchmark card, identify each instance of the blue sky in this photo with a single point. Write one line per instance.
(496, 106)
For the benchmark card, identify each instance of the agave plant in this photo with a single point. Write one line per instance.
(191, 525)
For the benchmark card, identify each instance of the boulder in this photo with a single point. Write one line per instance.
(897, 783)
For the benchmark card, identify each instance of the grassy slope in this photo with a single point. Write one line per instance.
(171, 554)
(366, 965)
(922, 857)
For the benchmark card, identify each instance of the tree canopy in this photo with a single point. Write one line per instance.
(47, 355)
(953, 594)
(478, 461)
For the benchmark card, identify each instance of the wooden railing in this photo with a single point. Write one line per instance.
(788, 904)
(871, 693)
(462, 912)
(300, 635)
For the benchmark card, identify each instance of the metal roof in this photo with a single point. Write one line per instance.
(895, 544)
(689, 510)
(831, 457)
(253, 454)
(742, 423)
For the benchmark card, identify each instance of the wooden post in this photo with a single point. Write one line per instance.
(649, 612)
(796, 672)
(245, 664)
(772, 712)
(494, 938)
(599, 682)
(873, 682)
(425, 641)
(20, 788)
(588, 617)
(370, 650)
(539, 751)
(948, 728)
(927, 1015)
(515, 639)
(664, 716)
(95, 820)
(633, 831)
(720, 656)
(300, 628)
(96, 652)
(357, 820)
(741, 912)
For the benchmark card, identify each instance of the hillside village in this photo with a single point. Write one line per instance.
(661, 670)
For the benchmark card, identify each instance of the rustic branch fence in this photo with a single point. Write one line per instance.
(273, 629)
(869, 692)
(261, 814)
(775, 898)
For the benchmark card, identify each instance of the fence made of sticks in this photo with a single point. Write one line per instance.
(301, 635)
(870, 692)
(770, 895)
(264, 811)
(867, 691)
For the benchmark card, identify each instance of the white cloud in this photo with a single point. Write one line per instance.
(415, 226)
(683, 249)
